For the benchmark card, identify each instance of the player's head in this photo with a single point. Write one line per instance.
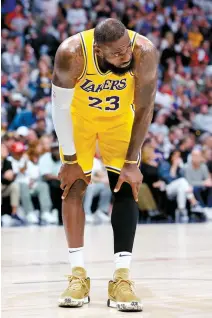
(113, 46)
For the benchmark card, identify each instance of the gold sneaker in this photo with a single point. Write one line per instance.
(121, 294)
(77, 293)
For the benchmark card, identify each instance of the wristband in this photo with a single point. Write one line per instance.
(70, 162)
(130, 161)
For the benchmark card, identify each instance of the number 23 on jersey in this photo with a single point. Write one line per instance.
(111, 103)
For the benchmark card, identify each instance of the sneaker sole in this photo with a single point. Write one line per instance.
(125, 306)
(73, 302)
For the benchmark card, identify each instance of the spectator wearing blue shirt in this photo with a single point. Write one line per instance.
(27, 118)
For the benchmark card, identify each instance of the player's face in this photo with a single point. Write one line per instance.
(117, 56)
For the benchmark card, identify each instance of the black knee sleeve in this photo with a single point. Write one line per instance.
(124, 216)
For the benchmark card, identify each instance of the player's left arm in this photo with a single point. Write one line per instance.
(146, 64)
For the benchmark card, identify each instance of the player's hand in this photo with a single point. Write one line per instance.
(68, 175)
(131, 174)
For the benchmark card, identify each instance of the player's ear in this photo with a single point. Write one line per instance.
(97, 50)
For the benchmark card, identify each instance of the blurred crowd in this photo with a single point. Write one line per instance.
(176, 159)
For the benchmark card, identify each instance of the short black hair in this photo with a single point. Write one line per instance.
(108, 30)
(172, 153)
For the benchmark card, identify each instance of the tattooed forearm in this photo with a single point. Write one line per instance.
(145, 90)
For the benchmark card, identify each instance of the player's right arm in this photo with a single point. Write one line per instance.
(68, 67)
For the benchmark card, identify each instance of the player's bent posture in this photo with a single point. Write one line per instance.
(104, 86)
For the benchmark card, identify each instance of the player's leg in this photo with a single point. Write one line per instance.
(73, 215)
(113, 144)
(74, 220)
(124, 221)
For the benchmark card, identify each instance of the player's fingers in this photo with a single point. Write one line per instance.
(118, 185)
(135, 191)
(62, 185)
(65, 192)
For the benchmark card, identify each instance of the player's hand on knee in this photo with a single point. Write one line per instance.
(68, 175)
(131, 174)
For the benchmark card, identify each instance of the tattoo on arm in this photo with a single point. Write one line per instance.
(68, 67)
(69, 63)
(146, 62)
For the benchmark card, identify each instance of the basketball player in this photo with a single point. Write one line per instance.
(104, 86)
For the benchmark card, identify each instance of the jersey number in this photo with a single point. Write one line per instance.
(113, 103)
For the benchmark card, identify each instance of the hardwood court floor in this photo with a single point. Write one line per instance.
(172, 268)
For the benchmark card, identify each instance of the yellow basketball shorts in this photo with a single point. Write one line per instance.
(112, 134)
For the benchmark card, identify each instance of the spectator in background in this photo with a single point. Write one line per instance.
(22, 82)
(47, 8)
(195, 36)
(28, 118)
(207, 157)
(8, 185)
(10, 60)
(42, 81)
(8, 140)
(45, 143)
(159, 125)
(185, 147)
(16, 103)
(176, 185)
(102, 9)
(99, 187)
(49, 165)
(197, 174)
(77, 17)
(37, 187)
(40, 127)
(27, 176)
(149, 169)
(22, 134)
(203, 120)
(16, 20)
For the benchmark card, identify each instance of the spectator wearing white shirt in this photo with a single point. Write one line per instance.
(197, 174)
(159, 127)
(77, 17)
(10, 59)
(49, 164)
(28, 177)
(99, 186)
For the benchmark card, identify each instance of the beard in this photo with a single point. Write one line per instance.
(106, 66)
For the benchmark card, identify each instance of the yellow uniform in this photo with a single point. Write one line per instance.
(102, 109)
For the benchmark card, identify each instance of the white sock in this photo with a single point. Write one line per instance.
(123, 259)
(76, 257)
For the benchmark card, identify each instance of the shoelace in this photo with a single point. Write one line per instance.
(124, 287)
(76, 285)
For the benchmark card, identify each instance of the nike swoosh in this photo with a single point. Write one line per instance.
(74, 251)
(90, 74)
(123, 255)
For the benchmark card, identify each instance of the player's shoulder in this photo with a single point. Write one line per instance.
(70, 47)
(144, 45)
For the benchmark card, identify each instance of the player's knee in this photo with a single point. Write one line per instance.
(77, 190)
(125, 191)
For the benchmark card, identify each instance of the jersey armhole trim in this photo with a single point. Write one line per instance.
(133, 44)
(84, 55)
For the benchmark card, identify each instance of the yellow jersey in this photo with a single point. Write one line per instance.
(99, 96)
(102, 111)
